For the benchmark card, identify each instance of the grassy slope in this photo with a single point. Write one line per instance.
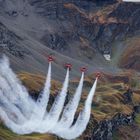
(107, 102)
(108, 98)
(137, 119)
(6, 134)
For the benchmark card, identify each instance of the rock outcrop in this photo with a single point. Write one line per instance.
(128, 96)
(104, 129)
(9, 42)
(100, 27)
(83, 30)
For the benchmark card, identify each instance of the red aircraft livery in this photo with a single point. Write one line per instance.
(83, 69)
(50, 58)
(98, 74)
(68, 65)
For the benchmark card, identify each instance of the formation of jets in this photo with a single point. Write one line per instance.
(69, 66)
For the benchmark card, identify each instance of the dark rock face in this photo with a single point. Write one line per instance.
(137, 109)
(69, 25)
(54, 41)
(128, 12)
(9, 42)
(104, 130)
(101, 2)
(79, 29)
(128, 96)
(90, 127)
(118, 22)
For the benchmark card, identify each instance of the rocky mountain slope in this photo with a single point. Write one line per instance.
(102, 35)
(81, 32)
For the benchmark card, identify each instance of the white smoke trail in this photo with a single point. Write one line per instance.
(15, 99)
(84, 116)
(39, 108)
(18, 89)
(11, 109)
(11, 78)
(16, 128)
(8, 93)
(56, 109)
(23, 115)
(70, 109)
(42, 101)
(36, 124)
(10, 124)
(77, 129)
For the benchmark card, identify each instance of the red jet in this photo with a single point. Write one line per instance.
(98, 75)
(50, 58)
(68, 65)
(83, 69)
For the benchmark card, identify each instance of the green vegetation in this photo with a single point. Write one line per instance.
(6, 134)
(107, 102)
(115, 136)
(137, 119)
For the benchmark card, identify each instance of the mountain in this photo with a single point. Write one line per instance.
(82, 32)
(102, 35)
